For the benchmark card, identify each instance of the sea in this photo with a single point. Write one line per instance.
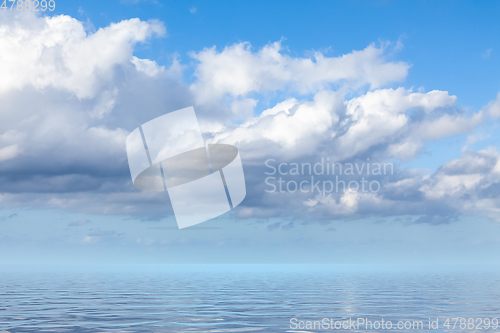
(248, 298)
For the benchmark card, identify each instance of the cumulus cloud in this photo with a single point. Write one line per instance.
(69, 99)
(57, 52)
(469, 184)
(471, 181)
(291, 127)
(237, 71)
(147, 66)
(493, 107)
(394, 123)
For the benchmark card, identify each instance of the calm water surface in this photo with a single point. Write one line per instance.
(230, 298)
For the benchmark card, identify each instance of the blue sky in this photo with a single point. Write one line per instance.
(441, 39)
(449, 44)
(77, 91)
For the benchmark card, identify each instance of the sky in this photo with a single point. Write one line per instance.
(410, 85)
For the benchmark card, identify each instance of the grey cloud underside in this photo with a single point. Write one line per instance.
(389, 202)
(64, 149)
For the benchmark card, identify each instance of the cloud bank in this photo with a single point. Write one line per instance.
(69, 99)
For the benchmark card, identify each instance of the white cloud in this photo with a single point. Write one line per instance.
(346, 205)
(243, 108)
(353, 127)
(493, 107)
(67, 110)
(381, 117)
(471, 182)
(450, 185)
(448, 125)
(468, 185)
(57, 52)
(147, 66)
(237, 71)
(293, 127)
